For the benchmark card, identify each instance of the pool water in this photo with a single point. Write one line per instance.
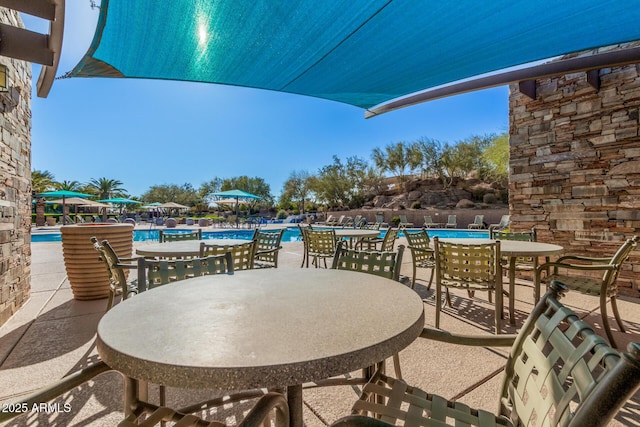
(291, 234)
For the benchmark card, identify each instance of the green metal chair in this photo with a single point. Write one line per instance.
(474, 267)
(559, 373)
(243, 255)
(384, 244)
(381, 263)
(422, 254)
(320, 245)
(157, 272)
(177, 237)
(592, 276)
(117, 270)
(267, 248)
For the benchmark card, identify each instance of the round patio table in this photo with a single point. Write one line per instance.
(260, 329)
(183, 248)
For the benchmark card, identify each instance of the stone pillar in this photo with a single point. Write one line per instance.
(15, 185)
(575, 163)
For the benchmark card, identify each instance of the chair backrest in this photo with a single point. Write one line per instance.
(523, 236)
(389, 241)
(427, 219)
(451, 220)
(243, 255)
(379, 218)
(622, 254)
(475, 266)
(403, 219)
(117, 275)
(420, 245)
(560, 373)
(267, 246)
(153, 272)
(176, 237)
(321, 242)
(381, 263)
(479, 220)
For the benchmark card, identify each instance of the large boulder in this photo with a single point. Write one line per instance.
(465, 204)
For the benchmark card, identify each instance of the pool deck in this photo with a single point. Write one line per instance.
(53, 335)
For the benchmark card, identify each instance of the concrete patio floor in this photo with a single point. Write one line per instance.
(53, 335)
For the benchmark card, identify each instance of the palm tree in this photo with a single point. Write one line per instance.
(42, 181)
(69, 186)
(106, 188)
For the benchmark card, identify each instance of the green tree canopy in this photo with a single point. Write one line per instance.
(42, 181)
(106, 188)
(185, 194)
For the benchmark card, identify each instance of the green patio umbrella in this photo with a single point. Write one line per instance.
(63, 194)
(121, 201)
(237, 195)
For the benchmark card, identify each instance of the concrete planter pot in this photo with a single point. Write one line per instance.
(87, 274)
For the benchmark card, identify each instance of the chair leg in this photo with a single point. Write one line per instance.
(438, 303)
(413, 281)
(605, 320)
(448, 297)
(433, 273)
(614, 308)
(396, 366)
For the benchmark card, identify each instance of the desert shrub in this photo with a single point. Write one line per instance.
(395, 221)
(281, 214)
(489, 198)
(416, 205)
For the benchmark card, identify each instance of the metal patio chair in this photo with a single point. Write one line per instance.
(381, 263)
(422, 254)
(592, 276)
(559, 373)
(117, 270)
(505, 221)
(474, 267)
(384, 244)
(157, 272)
(403, 222)
(320, 245)
(267, 248)
(243, 255)
(177, 237)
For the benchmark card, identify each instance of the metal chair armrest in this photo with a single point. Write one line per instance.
(260, 413)
(359, 421)
(582, 258)
(415, 248)
(470, 340)
(53, 390)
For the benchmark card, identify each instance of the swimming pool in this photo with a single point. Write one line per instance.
(291, 234)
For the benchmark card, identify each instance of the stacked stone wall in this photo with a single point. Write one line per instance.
(575, 163)
(15, 186)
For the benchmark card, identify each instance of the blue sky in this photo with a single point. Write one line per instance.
(146, 133)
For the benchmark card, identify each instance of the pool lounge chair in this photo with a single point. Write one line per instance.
(504, 223)
(404, 223)
(428, 222)
(451, 222)
(478, 223)
(380, 220)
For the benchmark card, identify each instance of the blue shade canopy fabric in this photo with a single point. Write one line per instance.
(238, 194)
(362, 53)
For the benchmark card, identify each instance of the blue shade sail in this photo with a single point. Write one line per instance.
(358, 52)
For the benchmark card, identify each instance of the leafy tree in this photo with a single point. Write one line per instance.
(430, 152)
(42, 181)
(106, 188)
(341, 184)
(398, 159)
(463, 158)
(496, 159)
(185, 194)
(296, 187)
(208, 188)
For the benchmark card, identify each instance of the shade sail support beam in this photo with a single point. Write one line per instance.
(528, 87)
(548, 69)
(593, 78)
(44, 49)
